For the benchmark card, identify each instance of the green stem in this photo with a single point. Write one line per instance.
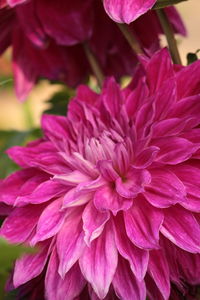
(168, 31)
(94, 64)
(130, 38)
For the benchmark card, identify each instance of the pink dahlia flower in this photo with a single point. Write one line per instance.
(47, 40)
(111, 195)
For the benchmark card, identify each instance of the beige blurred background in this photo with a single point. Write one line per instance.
(19, 116)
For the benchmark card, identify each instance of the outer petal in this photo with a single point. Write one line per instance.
(137, 257)
(182, 229)
(63, 289)
(126, 11)
(20, 223)
(49, 222)
(30, 266)
(143, 224)
(159, 271)
(126, 286)
(70, 243)
(99, 262)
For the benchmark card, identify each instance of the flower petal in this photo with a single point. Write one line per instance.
(49, 222)
(62, 289)
(181, 228)
(143, 224)
(159, 271)
(93, 222)
(137, 257)
(126, 11)
(99, 262)
(70, 242)
(165, 189)
(126, 286)
(106, 198)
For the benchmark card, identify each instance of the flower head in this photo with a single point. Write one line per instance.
(47, 40)
(110, 195)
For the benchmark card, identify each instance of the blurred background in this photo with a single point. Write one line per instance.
(15, 115)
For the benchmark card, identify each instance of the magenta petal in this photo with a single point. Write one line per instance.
(70, 243)
(146, 157)
(49, 222)
(174, 150)
(20, 223)
(165, 189)
(99, 261)
(63, 289)
(106, 198)
(15, 2)
(44, 192)
(143, 224)
(77, 26)
(126, 11)
(181, 228)
(126, 286)
(133, 184)
(159, 70)
(30, 266)
(138, 258)
(159, 271)
(93, 222)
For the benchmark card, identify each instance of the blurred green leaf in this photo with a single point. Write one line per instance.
(59, 102)
(164, 3)
(9, 139)
(192, 57)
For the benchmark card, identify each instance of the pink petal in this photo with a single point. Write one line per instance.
(93, 222)
(159, 70)
(72, 178)
(159, 271)
(107, 170)
(70, 243)
(137, 257)
(62, 289)
(181, 228)
(126, 286)
(49, 222)
(126, 11)
(165, 189)
(30, 266)
(20, 223)
(133, 183)
(99, 262)
(44, 192)
(143, 224)
(15, 2)
(106, 198)
(72, 198)
(112, 97)
(174, 150)
(146, 157)
(187, 81)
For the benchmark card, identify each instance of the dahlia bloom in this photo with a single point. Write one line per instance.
(110, 194)
(47, 40)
